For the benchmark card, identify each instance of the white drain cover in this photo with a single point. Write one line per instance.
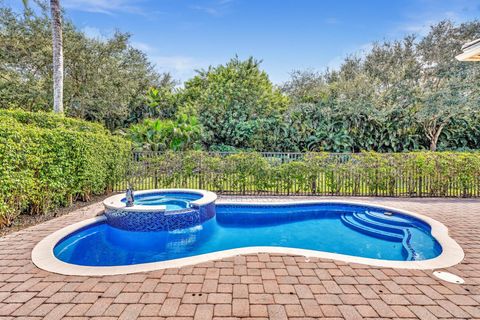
(449, 277)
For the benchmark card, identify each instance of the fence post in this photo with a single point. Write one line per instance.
(200, 174)
(420, 185)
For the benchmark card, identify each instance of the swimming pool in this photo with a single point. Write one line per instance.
(329, 229)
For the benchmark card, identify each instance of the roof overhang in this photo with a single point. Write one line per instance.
(471, 51)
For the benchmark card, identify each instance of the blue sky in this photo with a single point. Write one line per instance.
(181, 35)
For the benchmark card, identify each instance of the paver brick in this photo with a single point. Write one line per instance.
(263, 298)
(131, 311)
(217, 298)
(115, 309)
(311, 308)
(222, 310)
(276, 312)
(86, 297)
(350, 312)
(294, 310)
(330, 311)
(128, 297)
(151, 310)
(170, 307)
(59, 311)
(28, 307)
(240, 308)
(462, 300)
(62, 297)
(80, 310)
(153, 297)
(186, 310)
(19, 297)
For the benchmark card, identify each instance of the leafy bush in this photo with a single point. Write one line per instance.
(49, 161)
(49, 120)
(247, 172)
(159, 135)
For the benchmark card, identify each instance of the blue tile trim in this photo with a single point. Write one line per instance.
(159, 221)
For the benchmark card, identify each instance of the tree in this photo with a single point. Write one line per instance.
(401, 95)
(234, 102)
(305, 87)
(105, 79)
(448, 87)
(57, 56)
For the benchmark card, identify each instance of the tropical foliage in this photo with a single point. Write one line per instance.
(159, 135)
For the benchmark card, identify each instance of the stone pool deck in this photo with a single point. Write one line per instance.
(258, 286)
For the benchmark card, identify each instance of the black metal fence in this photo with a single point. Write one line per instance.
(418, 174)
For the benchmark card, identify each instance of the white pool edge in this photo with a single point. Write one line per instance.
(43, 256)
(115, 202)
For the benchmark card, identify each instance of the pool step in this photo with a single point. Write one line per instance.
(363, 224)
(394, 219)
(350, 221)
(367, 221)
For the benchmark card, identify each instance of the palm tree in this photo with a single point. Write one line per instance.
(57, 56)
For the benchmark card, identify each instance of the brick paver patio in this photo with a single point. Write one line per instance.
(260, 286)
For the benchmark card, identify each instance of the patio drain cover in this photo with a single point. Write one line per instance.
(449, 277)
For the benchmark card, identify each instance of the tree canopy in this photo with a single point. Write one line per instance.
(235, 103)
(105, 79)
(400, 95)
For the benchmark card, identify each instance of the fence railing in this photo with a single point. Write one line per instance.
(418, 174)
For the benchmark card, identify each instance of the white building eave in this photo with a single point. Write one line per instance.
(471, 51)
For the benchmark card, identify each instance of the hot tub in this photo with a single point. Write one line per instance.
(160, 209)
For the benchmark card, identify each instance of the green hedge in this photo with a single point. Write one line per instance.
(49, 161)
(49, 120)
(415, 174)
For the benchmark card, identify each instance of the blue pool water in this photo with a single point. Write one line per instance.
(172, 200)
(338, 228)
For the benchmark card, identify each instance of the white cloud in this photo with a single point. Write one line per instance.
(109, 7)
(331, 21)
(419, 20)
(215, 8)
(175, 62)
(181, 67)
(93, 33)
(359, 51)
(142, 46)
(336, 62)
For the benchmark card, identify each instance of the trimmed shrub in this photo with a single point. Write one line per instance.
(49, 161)
(49, 120)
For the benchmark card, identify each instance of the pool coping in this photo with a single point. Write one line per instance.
(115, 202)
(452, 254)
